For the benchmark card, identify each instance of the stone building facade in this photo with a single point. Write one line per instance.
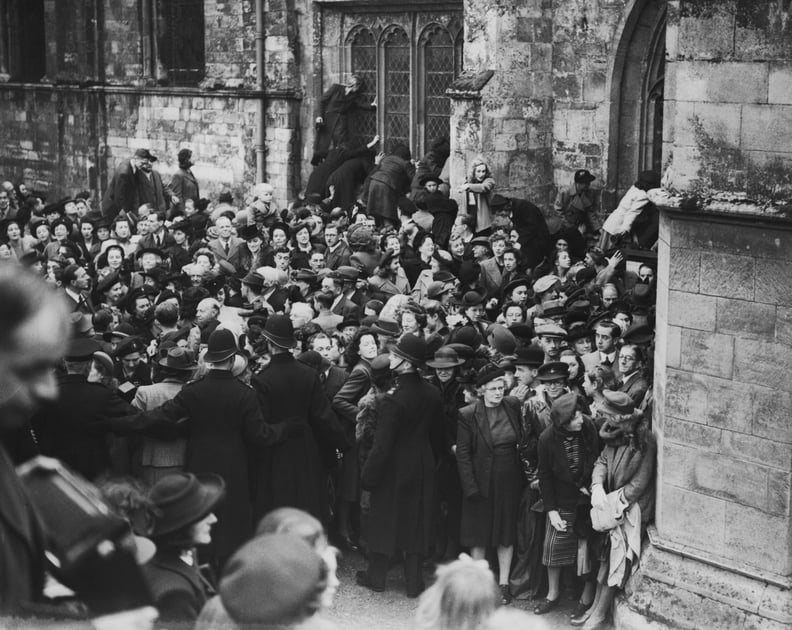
(698, 89)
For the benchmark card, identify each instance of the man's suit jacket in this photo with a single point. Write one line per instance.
(184, 185)
(152, 190)
(338, 257)
(491, 277)
(234, 255)
(150, 240)
(346, 308)
(635, 387)
(83, 305)
(592, 360)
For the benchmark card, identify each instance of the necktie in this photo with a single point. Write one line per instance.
(606, 362)
(225, 247)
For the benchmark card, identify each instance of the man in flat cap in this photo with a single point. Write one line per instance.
(575, 207)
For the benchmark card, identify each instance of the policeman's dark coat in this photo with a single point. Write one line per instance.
(291, 473)
(400, 469)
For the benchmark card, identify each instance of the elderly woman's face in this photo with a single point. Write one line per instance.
(492, 392)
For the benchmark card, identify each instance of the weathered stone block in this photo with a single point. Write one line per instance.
(766, 126)
(727, 276)
(772, 415)
(731, 238)
(707, 353)
(719, 120)
(684, 270)
(690, 310)
(758, 539)
(780, 84)
(778, 492)
(692, 434)
(723, 82)
(774, 281)
(691, 518)
(763, 363)
(686, 396)
(783, 331)
(759, 450)
(673, 346)
(741, 318)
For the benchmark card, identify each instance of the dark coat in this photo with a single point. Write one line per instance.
(291, 473)
(21, 543)
(635, 388)
(534, 236)
(121, 193)
(345, 402)
(225, 430)
(177, 588)
(400, 469)
(474, 445)
(337, 257)
(184, 186)
(389, 183)
(73, 428)
(347, 179)
(152, 190)
(318, 179)
(559, 489)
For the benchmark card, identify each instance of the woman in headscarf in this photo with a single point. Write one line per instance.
(626, 466)
(567, 450)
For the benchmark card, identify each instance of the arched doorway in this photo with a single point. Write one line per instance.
(637, 96)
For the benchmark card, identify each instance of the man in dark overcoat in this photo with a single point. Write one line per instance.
(72, 428)
(183, 184)
(291, 473)
(400, 471)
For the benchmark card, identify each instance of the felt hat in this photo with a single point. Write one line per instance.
(81, 324)
(347, 323)
(222, 346)
(640, 334)
(254, 279)
(564, 408)
(445, 357)
(436, 289)
(411, 348)
(248, 233)
(467, 335)
(380, 365)
(498, 201)
(578, 330)
(430, 178)
(386, 327)
(617, 403)
(82, 349)
(583, 176)
(480, 240)
(488, 373)
(523, 332)
(532, 356)
(517, 282)
(150, 250)
(271, 579)
(545, 283)
(108, 282)
(550, 330)
(178, 359)
(279, 331)
(347, 273)
(145, 154)
(553, 371)
(444, 276)
(182, 499)
(472, 298)
(313, 359)
(502, 339)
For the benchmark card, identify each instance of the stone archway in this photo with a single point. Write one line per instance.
(637, 95)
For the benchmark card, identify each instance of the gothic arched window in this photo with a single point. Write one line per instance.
(363, 62)
(396, 96)
(437, 65)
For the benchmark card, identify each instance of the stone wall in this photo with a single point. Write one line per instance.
(729, 97)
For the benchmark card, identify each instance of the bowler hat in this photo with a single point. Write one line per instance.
(532, 356)
(222, 346)
(443, 276)
(617, 403)
(445, 357)
(411, 348)
(468, 336)
(553, 371)
(178, 359)
(279, 331)
(182, 499)
(285, 565)
(583, 176)
(145, 154)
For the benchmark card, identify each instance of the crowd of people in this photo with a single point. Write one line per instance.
(414, 377)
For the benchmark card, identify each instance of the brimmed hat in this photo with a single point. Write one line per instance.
(279, 331)
(517, 282)
(81, 324)
(411, 348)
(347, 273)
(468, 336)
(150, 250)
(550, 330)
(183, 499)
(553, 371)
(108, 282)
(532, 356)
(583, 176)
(617, 403)
(82, 349)
(564, 408)
(579, 330)
(128, 346)
(285, 566)
(640, 334)
(472, 298)
(222, 346)
(145, 153)
(313, 359)
(104, 360)
(480, 240)
(349, 322)
(436, 289)
(248, 232)
(386, 327)
(254, 279)
(430, 178)
(488, 373)
(178, 359)
(445, 357)
(380, 366)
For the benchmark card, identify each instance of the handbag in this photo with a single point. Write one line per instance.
(610, 513)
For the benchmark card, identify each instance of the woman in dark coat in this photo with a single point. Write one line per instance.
(389, 182)
(184, 506)
(626, 465)
(359, 354)
(488, 436)
(567, 451)
(400, 469)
